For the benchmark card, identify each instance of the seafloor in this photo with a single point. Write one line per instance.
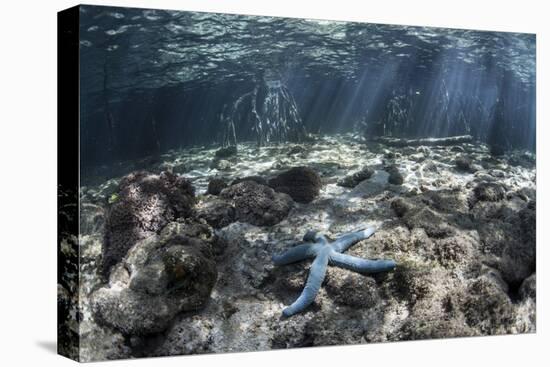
(459, 222)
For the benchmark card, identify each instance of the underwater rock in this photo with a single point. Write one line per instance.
(189, 228)
(92, 219)
(487, 307)
(258, 179)
(217, 213)
(482, 176)
(326, 328)
(226, 152)
(195, 229)
(464, 164)
(508, 240)
(439, 213)
(100, 343)
(489, 191)
(432, 222)
(412, 281)
(418, 328)
(528, 220)
(528, 288)
(297, 149)
(400, 206)
(280, 164)
(456, 250)
(301, 183)
(355, 178)
(246, 261)
(188, 336)
(145, 204)
(371, 187)
(453, 201)
(433, 301)
(221, 165)
(216, 185)
(351, 289)
(396, 177)
(391, 155)
(160, 276)
(519, 256)
(257, 204)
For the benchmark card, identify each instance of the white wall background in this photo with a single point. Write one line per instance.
(28, 181)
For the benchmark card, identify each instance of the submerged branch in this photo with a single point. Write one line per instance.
(451, 140)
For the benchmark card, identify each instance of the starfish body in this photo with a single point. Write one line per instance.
(324, 253)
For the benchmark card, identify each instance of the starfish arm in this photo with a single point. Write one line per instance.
(313, 284)
(296, 253)
(360, 265)
(344, 242)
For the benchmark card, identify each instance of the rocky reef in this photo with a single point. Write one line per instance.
(144, 204)
(301, 183)
(257, 204)
(161, 276)
(180, 263)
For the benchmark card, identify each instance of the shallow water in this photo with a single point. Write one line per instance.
(154, 80)
(175, 103)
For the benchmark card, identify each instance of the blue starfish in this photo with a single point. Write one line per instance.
(325, 253)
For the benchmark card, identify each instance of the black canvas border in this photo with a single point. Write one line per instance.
(68, 121)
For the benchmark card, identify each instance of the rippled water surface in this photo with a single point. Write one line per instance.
(155, 48)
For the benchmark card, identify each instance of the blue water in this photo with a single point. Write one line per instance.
(154, 80)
